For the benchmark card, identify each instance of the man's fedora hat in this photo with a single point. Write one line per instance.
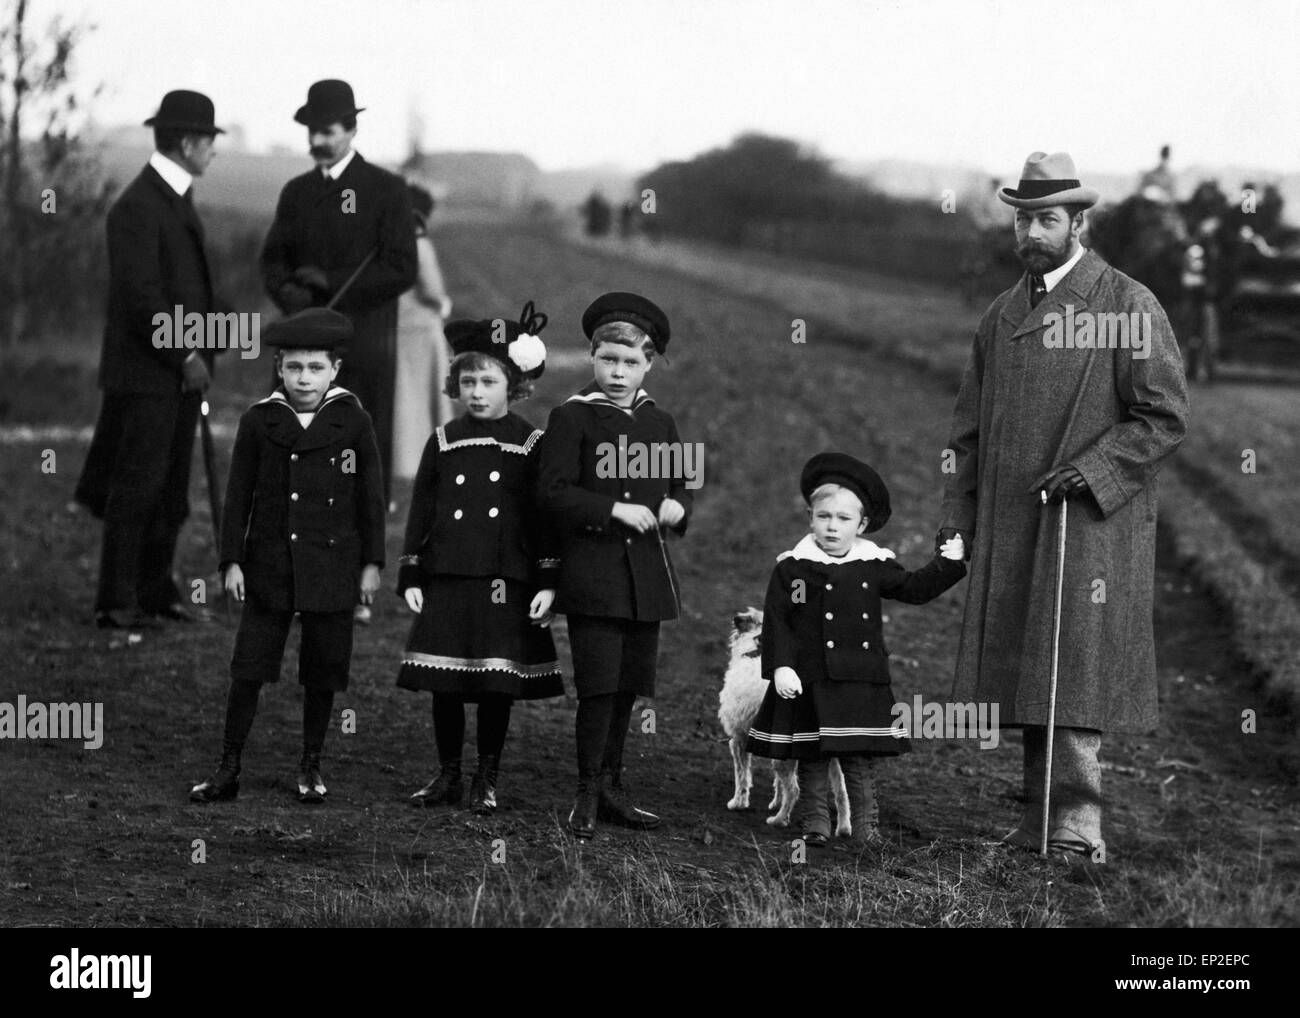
(327, 101)
(1048, 180)
(183, 110)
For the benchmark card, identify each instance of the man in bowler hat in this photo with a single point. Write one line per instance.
(328, 221)
(137, 471)
(1055, 400)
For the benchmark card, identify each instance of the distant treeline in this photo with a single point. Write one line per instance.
(772, 195)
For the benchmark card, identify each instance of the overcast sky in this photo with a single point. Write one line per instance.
(634, 82)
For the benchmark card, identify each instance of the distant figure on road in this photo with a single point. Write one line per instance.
(326, 224)
(598, 214)
(1157, 183)
(626, 217)
(137, 472)
(419, 402)
(1039, 413)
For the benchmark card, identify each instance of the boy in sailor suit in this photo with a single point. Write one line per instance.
(303, 532)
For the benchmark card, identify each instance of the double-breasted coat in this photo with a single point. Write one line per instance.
(137, 469)
(1026, 405)
(606, 568)
(304, 507)
(333, 225)
(480, 549)
(821, 617)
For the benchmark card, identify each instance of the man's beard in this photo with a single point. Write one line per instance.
(1041, 258)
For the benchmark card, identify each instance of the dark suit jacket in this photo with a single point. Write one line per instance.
(607, 569)
(314, 227)
(156, 260)
(304, 507)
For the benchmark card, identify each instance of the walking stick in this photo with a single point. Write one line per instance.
(353, 278)
(214, 489)
(1056, 654)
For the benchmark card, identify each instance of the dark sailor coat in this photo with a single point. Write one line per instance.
(304, 507)
(473, 508)
(822, 614)
(608, 569)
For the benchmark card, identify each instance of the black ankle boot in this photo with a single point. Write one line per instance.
(615, 806)
(445, 789)
(224, 783)
(311, 788)
(582, 818)
(483, 786)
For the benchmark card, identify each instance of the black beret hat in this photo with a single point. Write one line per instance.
(466, 335)
(631, 308)
(313, 329)
(842, 469)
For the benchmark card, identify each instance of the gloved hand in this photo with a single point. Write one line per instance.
(946, 534)
(195, 376)
(1060, 483)
(312, 276)
(294, 297)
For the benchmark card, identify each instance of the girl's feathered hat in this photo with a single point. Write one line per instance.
(842, 469)
(515, 344)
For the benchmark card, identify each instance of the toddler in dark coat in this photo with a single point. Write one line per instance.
(823, 647)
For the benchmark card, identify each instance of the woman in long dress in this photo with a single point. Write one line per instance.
(419, 404)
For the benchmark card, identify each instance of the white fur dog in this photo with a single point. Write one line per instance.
(742, 694)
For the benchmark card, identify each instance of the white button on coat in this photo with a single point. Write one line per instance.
(460, 478)
(495, 475)
(493, 512)
(458, 514)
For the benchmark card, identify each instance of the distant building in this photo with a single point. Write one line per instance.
(502, 180)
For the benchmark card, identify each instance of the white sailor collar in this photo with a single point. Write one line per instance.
(592, 396)
(333, 394)
(862, 551)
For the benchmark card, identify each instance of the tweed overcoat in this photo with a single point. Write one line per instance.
(304, 506)
(1024, 407)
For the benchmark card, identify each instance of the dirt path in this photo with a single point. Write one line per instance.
(1203, 825)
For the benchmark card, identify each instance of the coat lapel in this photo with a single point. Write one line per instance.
(1073, 290)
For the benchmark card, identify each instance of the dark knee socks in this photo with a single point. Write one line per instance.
(241, 706)
(449, 725)
(317, 706)
(601, 729)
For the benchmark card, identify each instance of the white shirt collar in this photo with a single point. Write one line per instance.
(178, 178)
(336, 171)
(1056, 275)
(862, 551)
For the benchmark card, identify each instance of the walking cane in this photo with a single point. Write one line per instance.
(214, 489)
(1056, 654)
(353, 278)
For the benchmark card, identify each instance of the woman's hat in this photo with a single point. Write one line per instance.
(312, 329)
(328, 101)
(515, 344)
(840, 468)
(183, 110)
(631, 308)
(1048, 180)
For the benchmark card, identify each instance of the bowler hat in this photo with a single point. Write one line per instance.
(840, 468)
(631, 308)
(183, 110)
(1048, 180)
(327, 101)
(515, 344)
(312, 329)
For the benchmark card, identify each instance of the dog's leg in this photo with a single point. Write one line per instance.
(843, 815)
(744, 778)
(785, 776)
